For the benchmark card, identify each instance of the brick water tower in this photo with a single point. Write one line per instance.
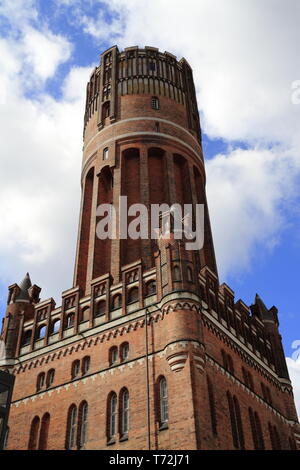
(147, 349)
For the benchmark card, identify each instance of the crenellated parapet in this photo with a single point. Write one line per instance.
(137, 71)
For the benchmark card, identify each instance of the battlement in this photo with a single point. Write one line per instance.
(136, 71)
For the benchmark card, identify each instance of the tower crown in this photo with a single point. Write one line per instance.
(140, 71)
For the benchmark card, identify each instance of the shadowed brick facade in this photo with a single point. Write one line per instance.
(147, 346)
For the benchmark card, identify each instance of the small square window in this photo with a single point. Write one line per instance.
(154, 103)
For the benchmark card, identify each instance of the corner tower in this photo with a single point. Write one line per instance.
(142, 140)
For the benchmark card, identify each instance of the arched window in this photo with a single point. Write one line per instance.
(124, 412)
(70, 320)
(71, 427)
(230, 364)
(224, 359)
(40, 381)
(236, 422)
(105, 154)
(100, 308)
(124, 351)
(41, 332)
(151, 288)
(55, 326)
(266, 393)
(34, 432)
(189, 274)
(163, 402)
(154, 102)
(212, 406)
(82, 424)
(86, 364)
(256, 429)
(227, 362)
(26, 337)
(116, 301)
(176, 273)
(44, 432)
(248, 378)
(50, 378)
(112, 416)
(212, 302)
(113, 355)
(105, 110)
(85, 314)
(133, 295)
(75, 369)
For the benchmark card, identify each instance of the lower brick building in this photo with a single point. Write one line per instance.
(148, 349)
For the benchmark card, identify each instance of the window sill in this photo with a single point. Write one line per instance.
(124, 437)
(163, 426)
(111, 441)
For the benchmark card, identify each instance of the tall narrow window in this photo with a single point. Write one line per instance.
(45, 423)
(230, 364)
(124, 412)
(189, 274)
(26, 337)
(176, 273)
(100, 308)
(41, 332)
(236, 422)
(274, 437)
(133, 295)
(117, 301)
(212, 406)
(124, 352)
(83, 424)
(50, 378)
(70, 320)
(71, 427)
(55, 327)
(105, 110)
(40, 381)
(112, 416)
(7, 435)
(86, 364)
(113, 355)
(256, 429)
(105, 154)
(34, 432)
(75, 369)
(292, 443)
(163, 402)
(151, 288)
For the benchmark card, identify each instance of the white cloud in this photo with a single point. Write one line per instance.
(19, 11)
(294, 372)
(100, 28)
(44, 52)
(248, 192)
(41, 141)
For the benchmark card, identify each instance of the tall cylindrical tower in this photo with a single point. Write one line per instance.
(142, 140)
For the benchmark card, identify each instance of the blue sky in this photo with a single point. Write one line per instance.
(243, 71)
